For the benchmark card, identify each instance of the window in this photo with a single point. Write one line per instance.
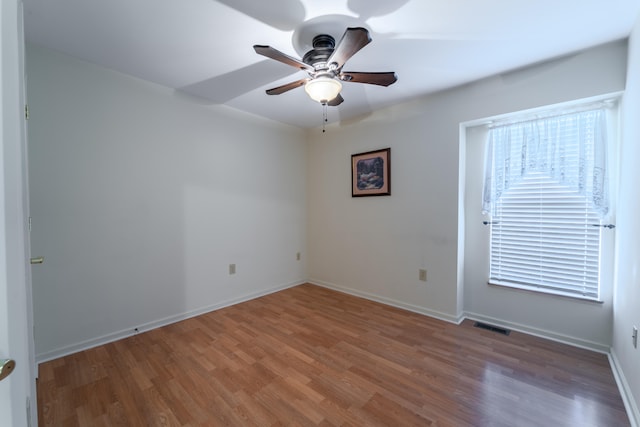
(546, 191)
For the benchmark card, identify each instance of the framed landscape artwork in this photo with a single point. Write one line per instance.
(371, 173)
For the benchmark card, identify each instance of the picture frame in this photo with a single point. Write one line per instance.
(371, 173)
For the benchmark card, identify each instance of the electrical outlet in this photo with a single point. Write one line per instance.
(634, 337)
(232, 269)
(422, 274)
(297, 256)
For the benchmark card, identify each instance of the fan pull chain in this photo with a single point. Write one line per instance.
(324, 116)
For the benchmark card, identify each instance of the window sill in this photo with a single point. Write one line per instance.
(544, 291)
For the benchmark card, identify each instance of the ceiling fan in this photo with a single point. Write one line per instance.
(324, 65)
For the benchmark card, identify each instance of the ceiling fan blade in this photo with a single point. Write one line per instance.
(336, 101)
(272, 53)
(381, 79)
(351, 42)
(284, 88)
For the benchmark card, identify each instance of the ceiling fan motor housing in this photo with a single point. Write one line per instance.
(323, 46)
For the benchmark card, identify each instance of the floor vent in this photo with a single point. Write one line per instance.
(492, 328)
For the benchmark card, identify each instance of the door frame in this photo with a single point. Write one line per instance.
(18, 406)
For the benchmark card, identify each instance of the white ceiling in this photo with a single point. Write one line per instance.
(205, 47)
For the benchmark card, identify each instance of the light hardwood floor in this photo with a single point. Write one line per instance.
(312, 356)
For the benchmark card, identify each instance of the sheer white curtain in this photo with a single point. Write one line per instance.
(570, 149)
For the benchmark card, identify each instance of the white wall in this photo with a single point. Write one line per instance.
(375, 246)
(141, 198)
(627, 294)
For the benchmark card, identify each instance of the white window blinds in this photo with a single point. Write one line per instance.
(548, 198)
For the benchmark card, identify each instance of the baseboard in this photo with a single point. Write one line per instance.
(542, 333)
(632, 409)
(389, 301)
(114, 336)
(625, 391)
(565, 339)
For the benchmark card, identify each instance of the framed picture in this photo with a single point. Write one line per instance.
(371, 173)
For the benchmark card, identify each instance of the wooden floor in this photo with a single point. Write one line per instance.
(312, 356)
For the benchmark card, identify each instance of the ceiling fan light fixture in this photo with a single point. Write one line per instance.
(323, 89)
